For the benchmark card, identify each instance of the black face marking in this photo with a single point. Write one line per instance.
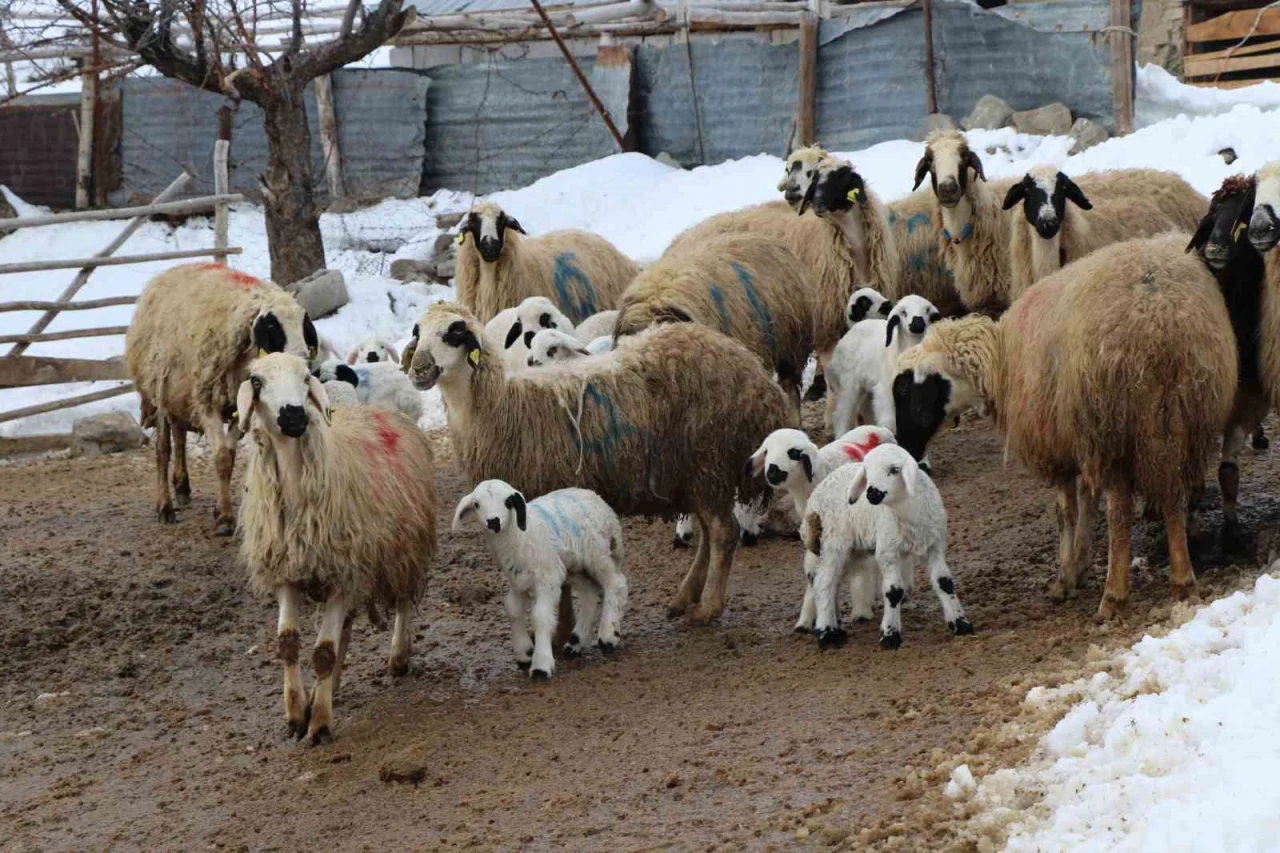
(798, 455)
(894, 596)
(528, 340)
(494, 524)
(916, 326)
(458, 335)
(515, 501)
(838, 190)
(885, 308)
(874, 496)
(514, 333)
(346, 374)
(935, 316)
(371, 357)
(309, 336)
(921, 408)
(545, 321)
(292, 420)
(268, 334)
(860, 309)
(946, 585)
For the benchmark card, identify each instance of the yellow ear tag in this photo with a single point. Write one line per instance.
(853, 194)
(462, 238)
(474, 356)
(261, 352)
(311, 351)
(1240, 226)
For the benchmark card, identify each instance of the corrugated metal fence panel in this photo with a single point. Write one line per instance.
(169, 126)
(39, 153)
(747, 93)
(505, 123)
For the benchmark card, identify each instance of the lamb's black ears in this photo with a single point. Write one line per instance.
(458, 335)
(346, 374)
(513, 334)
(1074, 193)
(934, 316)
(922, 168)
(514, 224)
(894, 322)
(968, 158)
(861, 307)
(1016, 193)
(886, 307)
(803, 458)
(515, 501)
(268, 334)
(809, 193)
(1203, 230)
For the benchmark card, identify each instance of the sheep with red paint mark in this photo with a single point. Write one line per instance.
(340, 507)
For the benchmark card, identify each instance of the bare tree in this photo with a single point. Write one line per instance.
(217, 45)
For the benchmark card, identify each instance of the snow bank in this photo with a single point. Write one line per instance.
(1179, 753)
(1160, 96)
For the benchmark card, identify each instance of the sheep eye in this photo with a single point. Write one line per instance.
(895, 471)
(256, 383)
(552, 352)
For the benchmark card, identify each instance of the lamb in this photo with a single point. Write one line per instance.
(660, 426)
(498, 266)
(597, 326)
(566, 534)
(341, 508)
(379, 383)
(866, 303)
(1050, 233)
(748, 287)
(194, 331)
(552, 346)
(372, 350)
(1115, 373)
(339, 382)
(515, 356)
(533, 314)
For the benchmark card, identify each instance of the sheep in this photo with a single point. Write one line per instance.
(748, 287)
(379, 383)
(921, 269)
(798, 172)
(863, 366)
(1240, 271)
(194, 331)
(597, 326)
(499, 266)
(372, 350)
(552, 346)
(515, 356)
(339, 382)
(568, 534)
(1050, 233)
(866, 303)
(339, 507)
(660, 426)
(794, 466)
(1115, 373)
(533, 314)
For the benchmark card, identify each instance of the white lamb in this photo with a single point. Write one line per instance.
(598, 325)
(372, 350)
(533, 314)
(552, 346)
(566, 534)
(513, 357)
(379, 384)
(866, 303)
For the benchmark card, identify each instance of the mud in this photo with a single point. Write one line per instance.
(140, 696)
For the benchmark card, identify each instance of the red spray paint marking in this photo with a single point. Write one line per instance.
(235, 275)
(388, 435)
(857, 452)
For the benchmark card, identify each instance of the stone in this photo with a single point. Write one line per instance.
(1049, 120)
(990, 113)
(443, 247)
(429, 272)
(1228, 155)
(404, 769)
(110, 432)
(1161, 32)
(321, 293)
(445, 221)
(6, 212)
(1086, 134)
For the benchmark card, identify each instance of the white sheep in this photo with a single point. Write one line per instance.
(515, 356)
(372, 350)
(597, 325)
(381, 384)
(532, 315)
(568, 534)
(867, 303)
(552, 346)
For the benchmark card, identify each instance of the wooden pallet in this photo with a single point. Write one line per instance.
(1231, 44)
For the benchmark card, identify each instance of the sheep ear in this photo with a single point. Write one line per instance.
(809, 193)
(1203, 230)
(1016, 194)
(466, 508)
(515, 501)
(513, 334)
(803, 458)
(858, 486)
(318, 397)
(972, 161)
(894, 322)
(1074, 193)
(346, 374)
(922, 168)
(911, 475)
(514, 224)
(582, 351)
(391, 351)
(934, 316)
(756, 463)
(886, 307)
(352, 356)
(244, 405)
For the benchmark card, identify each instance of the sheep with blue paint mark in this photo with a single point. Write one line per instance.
(499, 266)
(381, 384)
(567, 535)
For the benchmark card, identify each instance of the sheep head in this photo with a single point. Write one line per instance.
(913, 315)
(798, 173)
(835, 188)
(1221, 232)
(867, 302)
(283, 327)
(372, 350)
(551, 346)
(533, 314)
(1044, 193)
(947, 160)
(280, 397)
(446, 341)
(494, 503)
(888, 476)
(1264, 227)
(486, 225)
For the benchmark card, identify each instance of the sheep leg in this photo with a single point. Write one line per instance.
(181, 481)
(224, 444)
(564, 617)
(343, 642)
(723, 530)
(588, 611)
(521, 642)
(1234, 538)
(944, 586)
(1087, 505)
(846, 404)
(401, 639)
(790, 385)
(808, 609)
(288, 644)
(1119, 529)
(543, 620)
(690, 592)
(324, 658)
(882, 407)
(892, 586)
(1182, 573)
(164, 506)
(1068, 510)
(862, 595)
(613, 585)
(829, 569)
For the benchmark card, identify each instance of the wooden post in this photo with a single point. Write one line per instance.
(98, 157)
(221, 176)
(84, 154)
(931, 85)
(806, 112)
(1122, 66)
(329, 137)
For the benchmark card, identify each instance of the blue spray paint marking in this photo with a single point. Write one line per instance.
(762, 313)
(918, 261)
(615, 429)
(548, 518)
(717, 296)
(563, 523)
(893, 217)
(578, 303)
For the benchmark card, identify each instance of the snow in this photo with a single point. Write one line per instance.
(1176, 753)
(1159, 96)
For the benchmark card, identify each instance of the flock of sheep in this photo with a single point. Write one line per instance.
(580, 387)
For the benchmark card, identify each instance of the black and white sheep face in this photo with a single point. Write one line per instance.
(1264, 225)
(888, 476)
(372, 351)
(1044, 193)
(924, 398)
(487, 225)
(552, 346)
(866, 303)
(836, 188)
(291, 332)
(947, 161)
(443, 345)
(786, 458)
(533, 315)
(280, 396)
(494, 504)
(799, 171)
(1221, 233)
(911, 315)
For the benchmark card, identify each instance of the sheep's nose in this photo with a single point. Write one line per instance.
(531, 362)
(793, 195)
(775, 475)
(1263, 233)
(916, 325)
(874, 496)
(494, 524)
(490, 248)
(292, 420)
(1047, 227)
(948, 192)
(1216, 255)
(371, 357)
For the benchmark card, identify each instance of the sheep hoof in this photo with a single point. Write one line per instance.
(225, 527)
(571, 649)
(539, 675)
(321, 735)
(677, 608)
(182, 497)
(165, 514)
(704, 616)
(680, 542)
(297, 729)
(398, 667)
(1110, 609)
(749, 538)
(1184, 592)
(607, 647)
(891, 639)
(831, 638)
(1260, 440)
(802, 629)
(960, 627)
(523, 665)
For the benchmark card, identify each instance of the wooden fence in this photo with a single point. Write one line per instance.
(1231, 43)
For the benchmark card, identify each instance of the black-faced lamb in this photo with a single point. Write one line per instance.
(867, 303)
(341, 510)
(568, 534)
(533, 314)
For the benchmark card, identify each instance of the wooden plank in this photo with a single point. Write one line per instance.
(807, 109)
(931, 84)
(84, 153)
(191, 205)
(221, 175)
(1243, 50)
(1122, 66)
(1233, 26)
(85, 305)
(91, 263)
(68, 403)
(70, 334)
(24, 370)
(24, 445)
(1193, 66)
(329, 137)
(1231, 84)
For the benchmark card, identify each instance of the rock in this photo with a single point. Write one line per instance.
(1228, 155)
(1087, 134)
(936, 121)
(1161, 35)
(445, 221)
(403, 769)
(667, 160)
(6, 212)
(1049, 120)
(321, 293)
(445, 270)
(990, 113)
(407, 269)
(110, 432)
(443, 247)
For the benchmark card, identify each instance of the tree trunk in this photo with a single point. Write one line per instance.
(293, 226)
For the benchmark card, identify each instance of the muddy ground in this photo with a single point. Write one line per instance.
(140, 707)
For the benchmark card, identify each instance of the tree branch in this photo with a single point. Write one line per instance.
(349, 18)
(295, 41)
(376, 30)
